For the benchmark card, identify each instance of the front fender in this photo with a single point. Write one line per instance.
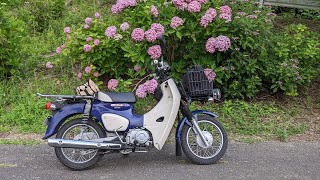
(55, 121)
(185, 120)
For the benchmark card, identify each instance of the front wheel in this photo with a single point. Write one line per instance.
(215, 135)
(79, 159)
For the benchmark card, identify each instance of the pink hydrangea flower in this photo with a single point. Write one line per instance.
(96, 74)
(88, 39)
(210, 74)
(203, 1)
(208, 17)
(97, 15)
(96, 42)
(49, 65)
(220, 43)
(137, 35)
(86, 48)
(79, 75)
(67, 30)
(158, 28)
(180, 4)
(141, 92)
(136, 68)
(154, 11)
(58, 50)
(210, 45)
(151, 85)
(124, 26)
(151, 35)
(155, 52)
(86, 26)
(176, 22)
(121, 5)
(225, 10)
(88, 20)
(112, 84)
(111, 31)
(87, 69)
(226, 17)
(63, 46)
(194, 7)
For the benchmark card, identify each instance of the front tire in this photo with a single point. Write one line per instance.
(79, 159)
(196, 150)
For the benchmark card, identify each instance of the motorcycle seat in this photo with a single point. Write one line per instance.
(127, 97)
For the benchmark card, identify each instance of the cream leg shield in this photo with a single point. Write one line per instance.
(167, 108)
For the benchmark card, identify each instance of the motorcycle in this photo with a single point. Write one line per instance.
(89, 126)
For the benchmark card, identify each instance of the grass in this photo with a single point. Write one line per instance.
(19, 142)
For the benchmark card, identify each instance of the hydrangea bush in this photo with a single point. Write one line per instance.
(230, 39)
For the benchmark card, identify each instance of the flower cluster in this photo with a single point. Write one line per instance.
(60, 48)
(155, 32)
(225, 13)
(49, 65)
(67, 30)
(121, 5)
(189, 5)
(154, 11)
(96, 42)
(252, 16)
(137, 34)
(155, 52)
(112, 84)
(111, 31)
(88, 20)
(124, 26)
(87, 69)
(210, 74)
(220, 43)
(148, 87)
(208, 17)
(87, 48)
(136, 68)
(88, 39)
(97, 15)
(176, 22)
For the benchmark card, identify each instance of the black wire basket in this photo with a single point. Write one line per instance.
(196, 83)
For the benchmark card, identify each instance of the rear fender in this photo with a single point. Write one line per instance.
(55, 121)
(185, 120)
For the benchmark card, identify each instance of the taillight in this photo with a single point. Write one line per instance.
(50, 106)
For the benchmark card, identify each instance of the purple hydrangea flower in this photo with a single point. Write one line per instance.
(49, 65)
(88, 20)
(63, 46)
(210, 74)
(96, 42)
(137, 35)
(151, 85)
(121, 5)
(225, 10)
(58, 50)
(176, 22)
(88, 39)
(194, 7)
(97, 15)
(124, 26)
(86, 48)
(154, 11)
(158, 28)
(141, 92)
(96, 74)
(136, 68)
(220, 43)
(67, 30)
(151, 35)
(111, 31)
(208, 17)
(112, 84)
(226, 17)
(87, 69)
(86, 26)
(155, 52)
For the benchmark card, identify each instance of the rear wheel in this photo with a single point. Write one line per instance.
(215, 135)
(79, 159)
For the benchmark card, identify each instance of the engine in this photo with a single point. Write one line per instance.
(138, 137)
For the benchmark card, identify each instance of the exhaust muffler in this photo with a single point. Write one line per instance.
(65, 143)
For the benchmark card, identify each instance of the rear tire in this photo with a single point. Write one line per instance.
(79, 159)
(195, 149)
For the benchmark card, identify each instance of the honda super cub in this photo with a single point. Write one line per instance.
(87, 127)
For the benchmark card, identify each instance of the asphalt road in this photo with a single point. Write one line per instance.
(268, 160)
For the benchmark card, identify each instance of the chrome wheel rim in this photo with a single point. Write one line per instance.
(215, 140)
(80, 132)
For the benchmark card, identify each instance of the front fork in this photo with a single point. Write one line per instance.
(194, 121)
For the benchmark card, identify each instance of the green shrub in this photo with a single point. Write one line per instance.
(242, 69)
(11, 34)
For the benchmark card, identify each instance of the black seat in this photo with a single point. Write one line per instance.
(127, 97)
